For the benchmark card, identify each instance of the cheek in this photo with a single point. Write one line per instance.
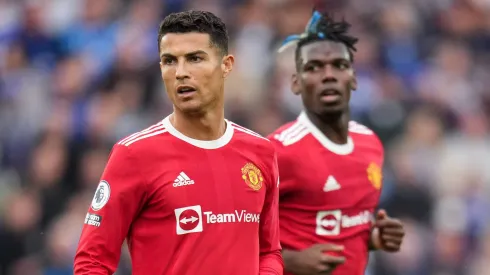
(168, 81)
(308, 88)
(168, 74)
(309, 84)
(350, 86)
(208, 75)
(348, 79)
(217, 75)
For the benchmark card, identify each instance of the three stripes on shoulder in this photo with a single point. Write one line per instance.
(151, 131)
(246, 130)
(298, 131)
(293, 134)
(159, 128)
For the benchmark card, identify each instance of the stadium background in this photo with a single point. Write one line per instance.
(77, 75)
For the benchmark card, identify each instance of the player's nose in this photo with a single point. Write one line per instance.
(329, 74)
(181, 72)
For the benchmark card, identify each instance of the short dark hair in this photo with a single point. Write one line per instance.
(328, 30)
(196, 21)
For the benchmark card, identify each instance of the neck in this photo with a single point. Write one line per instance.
(334, 127)
(206, 126)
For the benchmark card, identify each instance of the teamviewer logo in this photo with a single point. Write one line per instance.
(189, 219)
(328, 223)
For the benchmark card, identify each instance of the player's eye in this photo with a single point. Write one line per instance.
(195, 59)
(168, 61)
(342, 65)
(312, 67)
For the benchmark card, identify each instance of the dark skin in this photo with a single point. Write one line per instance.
(325, 68)
(325, 80)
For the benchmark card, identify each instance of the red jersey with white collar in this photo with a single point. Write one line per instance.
(185, 206)
(328, 192)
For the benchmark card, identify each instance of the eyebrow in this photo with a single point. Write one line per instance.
(319, 60)
(168, 55)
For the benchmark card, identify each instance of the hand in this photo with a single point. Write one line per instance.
(388, 232)
(313, 260)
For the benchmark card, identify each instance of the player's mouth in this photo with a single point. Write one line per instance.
(330, 96)
(185, 90)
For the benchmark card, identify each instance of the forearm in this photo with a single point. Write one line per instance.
(271, 263)
(86, 264)
(288, 257)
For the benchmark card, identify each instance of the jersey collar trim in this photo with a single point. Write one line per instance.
(204, 144)
(339, 149)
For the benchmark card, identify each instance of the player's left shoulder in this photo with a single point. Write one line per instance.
(246, 135)
(258, 150)
(251, 140)
(364, 136)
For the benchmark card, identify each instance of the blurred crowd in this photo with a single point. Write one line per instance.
(77, 75)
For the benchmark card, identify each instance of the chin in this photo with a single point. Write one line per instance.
(333, 109)
(332, 113)
(190, 107)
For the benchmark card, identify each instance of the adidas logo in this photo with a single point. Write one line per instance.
(182, 180)
(331, 184)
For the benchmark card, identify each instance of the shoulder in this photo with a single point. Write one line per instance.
(252, 141)
(144, 138)
(364, 136)
(289, 134)
(358, 128)
(248, 136)
(288, 141)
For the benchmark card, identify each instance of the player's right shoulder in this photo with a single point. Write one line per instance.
(289, 134)
(143, 138)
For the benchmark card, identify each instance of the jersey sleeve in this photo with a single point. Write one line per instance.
(286, 169)
(117, 201)
(270, 248)
(380, 151)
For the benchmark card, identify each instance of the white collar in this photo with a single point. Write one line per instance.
(204, 144)
(339, 149)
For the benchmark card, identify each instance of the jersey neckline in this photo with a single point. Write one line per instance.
(203, 144)
(339, 149)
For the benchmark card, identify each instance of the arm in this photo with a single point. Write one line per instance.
(285, 168)
(117, 201)
(289, 257)
(270, 249)
(313, 260)
(388, 233)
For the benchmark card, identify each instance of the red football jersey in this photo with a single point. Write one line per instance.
(328, 192)
(185, 206)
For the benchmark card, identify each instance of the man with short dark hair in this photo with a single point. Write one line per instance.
(330, 167)
(194, 193)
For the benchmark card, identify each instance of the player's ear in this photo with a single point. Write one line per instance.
(227, 64)
(295, 84)
(353, 85)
